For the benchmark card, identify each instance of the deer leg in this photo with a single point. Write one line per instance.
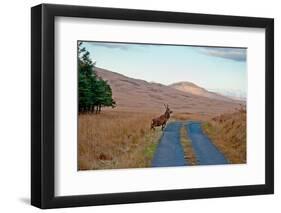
(163, 126)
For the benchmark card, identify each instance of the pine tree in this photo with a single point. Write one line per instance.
(94, 92)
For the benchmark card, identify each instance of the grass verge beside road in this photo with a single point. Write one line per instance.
(187, 147)
(229, 132)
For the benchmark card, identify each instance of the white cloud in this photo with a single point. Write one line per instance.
(236, 54)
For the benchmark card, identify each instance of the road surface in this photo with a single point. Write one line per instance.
(169, 151)
(205, 151)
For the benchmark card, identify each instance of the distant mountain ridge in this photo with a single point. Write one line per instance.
(233, 94)
(139, 95)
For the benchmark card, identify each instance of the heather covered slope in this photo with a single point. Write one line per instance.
(134, 94)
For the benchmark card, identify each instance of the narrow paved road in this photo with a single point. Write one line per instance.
(169, 151)
(205, 151)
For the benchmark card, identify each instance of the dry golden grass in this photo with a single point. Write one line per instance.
(191, 116)
(123, 139)
(187, 147)
(228, 133)
(116, 139)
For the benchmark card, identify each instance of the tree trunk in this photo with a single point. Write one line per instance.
(97, 109)
(92, 108)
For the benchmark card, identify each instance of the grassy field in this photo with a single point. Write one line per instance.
(123, 139)
(228, 133)
(116, 139)
(191, 116)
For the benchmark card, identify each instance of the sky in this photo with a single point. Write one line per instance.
(214, 68)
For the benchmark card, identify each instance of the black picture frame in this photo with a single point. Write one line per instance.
(43, 105)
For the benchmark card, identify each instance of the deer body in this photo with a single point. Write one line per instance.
(162, 119)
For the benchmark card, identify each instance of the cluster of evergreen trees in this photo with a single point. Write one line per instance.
(94, 92)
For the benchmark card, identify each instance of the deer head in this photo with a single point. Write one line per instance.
(168, 111)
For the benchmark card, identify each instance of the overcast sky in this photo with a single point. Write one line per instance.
(209, 67)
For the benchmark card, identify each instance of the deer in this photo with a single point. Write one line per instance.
(162, 119)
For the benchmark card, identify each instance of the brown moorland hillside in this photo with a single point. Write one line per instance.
(135, 94)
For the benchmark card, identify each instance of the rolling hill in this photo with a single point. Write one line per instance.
(139, 95)
(192, 88)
